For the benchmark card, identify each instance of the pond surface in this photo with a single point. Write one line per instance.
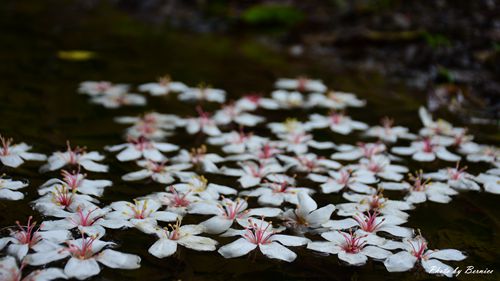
(39, 105)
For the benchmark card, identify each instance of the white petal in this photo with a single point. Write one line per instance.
(402, 261)
(276, 251)
(81, 268)
(237, 248)
(163, 248)
(115, 259)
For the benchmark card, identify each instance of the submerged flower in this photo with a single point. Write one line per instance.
(415, 250)
(75, 157)
(186, 235)
(13, 155)
(261, 234)
(84, 254)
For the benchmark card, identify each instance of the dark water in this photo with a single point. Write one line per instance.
(39, 105)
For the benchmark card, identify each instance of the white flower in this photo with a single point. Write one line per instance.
(426, 150)
(251, 173)
(209, 191)
(422, 190)
(287, 100)
(262, 235)
(164, 86)
(335, 100)
(84, 254)
(186, 235)
(381, 167)
(489, 154)
(77, 156)
(337, 122)
(204, 123)
(254, 101)
(309, 163)
(97, 88)
(389, 133)
(76, 181)
(363, 203)
(142, 214)
(159, 172)
(298, 143)
(439, 127)
(9, 271)
(265, 153)
(199, 158)
(345, 178)
(89, 221)
(307, 215)
(8, 189)
(349, 247)
(415, 250)
(137, 148)
(369, 224)
(13, 155)
(289, 126)
(301, 84)
(227, 211)
(231, 113)
(237, 142)
(455, 177)
(280, 189)
(176, 202)
(362, 150)
(119, 100)
(203, 93)
(490, 180)
(60, 199)
(29, 237)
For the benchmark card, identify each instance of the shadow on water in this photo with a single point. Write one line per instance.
(39, 105)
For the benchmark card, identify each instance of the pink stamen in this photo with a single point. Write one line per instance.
(258, 234)
(28, 234)
(352, 244)
(368, 222)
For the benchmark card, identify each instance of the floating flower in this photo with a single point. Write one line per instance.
(280, 189)
(415, 250)
(10, 271)
(237, 142)
(231, 113)
(159, 172)
(426, 150)
(8, 189)
(389, 133)
(253, 101)
(350, 247)
(422, 189)
(335, 100)
(375, 202)
(227, 211)
(456, 178)
(261, 234)
(98, 88)
(76, 181)
(337, 122)
(29, 237)
(345, 178)
(60, 199)
(288, 100)
(137, 148)
(306, 215)
(209, 191)
(204, 123)
(251, 173)
(301, 84)
(164, 86)
(84, 254)
(199, 158)
(381, 167)
(186, 235)
(117, 100)
(490, 180)
(203, 93)
(13, 155)
(309, 163)
(75, 157)
(362, 150)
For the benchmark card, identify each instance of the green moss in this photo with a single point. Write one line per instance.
(281, 15)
